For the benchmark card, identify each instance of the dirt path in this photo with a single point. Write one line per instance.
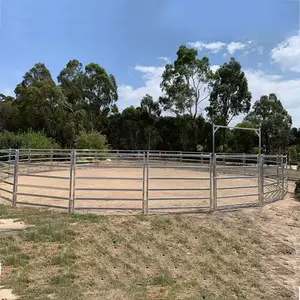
(279, 226)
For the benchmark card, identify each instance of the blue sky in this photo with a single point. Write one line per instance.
(133, 39)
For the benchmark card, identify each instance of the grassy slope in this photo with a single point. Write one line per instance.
(216, 256)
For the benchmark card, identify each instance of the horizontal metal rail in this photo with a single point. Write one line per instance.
(178, 189)
(220, 167)
(238, 205)
(179, 178)
(178, 207)
(7, 182)
(5, 198)
(238, 196)
(42, 196)
(108, 199)
(42, 205)
(178, 167)
(107, 208)
(179, 198)
(7, 173)
(110, 167)
(45, 165)
(44, 176)
(236, 177)
(236, 187)
(6, 191)
(108, 178)
(43, 187)
(108, 189)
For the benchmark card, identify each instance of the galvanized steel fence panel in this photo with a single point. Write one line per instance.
(143, 181)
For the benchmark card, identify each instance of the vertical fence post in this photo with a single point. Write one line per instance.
(214, 181)
(260, 178)
(144, 186)
(277, 170)
(147, 184)
(9, 159)
(74, 180)
(211, 182)
(244, 164)
(71, 182)
(29, 160)
(282, 177)
(15, 186)
(180, 156)
(286, 174)
(51, 159)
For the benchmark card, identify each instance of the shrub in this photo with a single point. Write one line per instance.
(37, 140)
(30, 139)
(255, 150)
(91, 140)
(293, 155)
(297, 188)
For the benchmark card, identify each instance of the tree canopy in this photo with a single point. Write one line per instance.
(80, 110)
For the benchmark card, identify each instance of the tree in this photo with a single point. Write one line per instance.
(91, 91)
(150, 113)
(243, 141)
(185, 83)
(275, 122)
(91, 140)
(230, 95)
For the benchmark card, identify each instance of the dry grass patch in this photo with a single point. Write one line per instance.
(155, 257)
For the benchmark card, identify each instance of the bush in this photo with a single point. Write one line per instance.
(33, 140)
(297, 188)
(293, 155)
(10, 140)
(91, 140)
(37, 140)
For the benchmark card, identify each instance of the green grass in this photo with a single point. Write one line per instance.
(137, 257)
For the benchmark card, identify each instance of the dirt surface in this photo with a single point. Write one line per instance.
(6, 294)
(11, 225)
(131, 193)
(279, 226)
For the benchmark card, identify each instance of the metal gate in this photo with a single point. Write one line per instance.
(236, 181)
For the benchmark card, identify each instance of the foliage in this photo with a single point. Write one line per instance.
(293, 155)
(30, 139)
(91, 140)
(84, 101)
(230, 96)
(186, 82)
(36, 140)
(297, 188)
(243, 141)
(275, 122)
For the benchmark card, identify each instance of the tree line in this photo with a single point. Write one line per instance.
(82, 106)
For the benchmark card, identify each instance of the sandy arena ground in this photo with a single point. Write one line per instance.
(132, 184)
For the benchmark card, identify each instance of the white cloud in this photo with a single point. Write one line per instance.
(213, 47)
(287, 54)
(133, 96)
(165, 59)
(260, 50)
(260, 83)
(236, 46)
(288, 91)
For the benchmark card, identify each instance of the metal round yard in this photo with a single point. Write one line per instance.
(139, 181)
